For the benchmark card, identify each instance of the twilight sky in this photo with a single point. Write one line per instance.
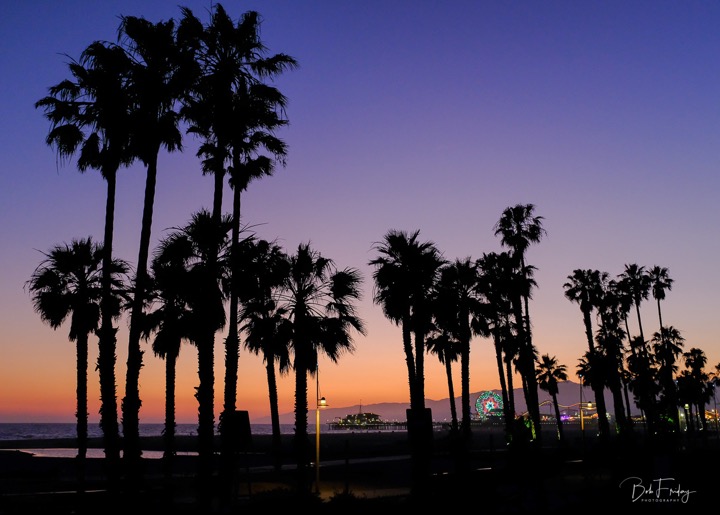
(403, 115)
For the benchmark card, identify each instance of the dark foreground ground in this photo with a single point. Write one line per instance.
(364, 472)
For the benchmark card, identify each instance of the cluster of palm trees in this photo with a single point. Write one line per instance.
(626, 364)
(123, 103)
(126, 101)
(441, 305)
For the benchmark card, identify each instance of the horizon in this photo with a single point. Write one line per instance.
(429, 117)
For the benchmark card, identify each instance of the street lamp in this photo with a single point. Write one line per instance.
(319, 404)
(714, 385)
(582, 419)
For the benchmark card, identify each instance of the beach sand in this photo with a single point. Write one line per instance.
(371, 471)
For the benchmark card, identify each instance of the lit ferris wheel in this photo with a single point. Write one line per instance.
(488, 404)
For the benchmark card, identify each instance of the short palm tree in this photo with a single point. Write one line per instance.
(405, 274)
(549, 373)
(441, 344)
(167, 320)
(585, 286)
(68, 284)
(320, 304)
(495, 279)
(695, 361)
(264, 268)
(458, 292)
(202, 247)
(667, 347)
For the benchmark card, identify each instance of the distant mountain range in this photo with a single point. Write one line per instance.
(569, 394)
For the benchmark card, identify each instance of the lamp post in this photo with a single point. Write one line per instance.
(714, 385)
(582, 419)
(320, 403)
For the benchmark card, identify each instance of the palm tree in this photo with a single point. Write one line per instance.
(695, 361)
(404, 277)
(458, 293)
(202, 246)
(667, 347)
(265, 269)
(635, 280)
(170, 322)
(496, 276)
(447, 351)
(160, 75)
(549, 373)
(642, 368)
(320, 304)
(68, 284)
(518, 228)
(585, 287)
(660, 281)
(405, 272)
(89, 115)
(236, 115)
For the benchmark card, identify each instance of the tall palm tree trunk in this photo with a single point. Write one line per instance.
(131, 403)
(206, 415)
(107, 346)
(409, 360)
(301, 442)
(232, 352)
(274, 413)
(503, 384)
(596, 384)
(82, 408)
(169, 429)
(451, 394)
(558, 419)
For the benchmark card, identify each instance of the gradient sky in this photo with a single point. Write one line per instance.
(405, 115)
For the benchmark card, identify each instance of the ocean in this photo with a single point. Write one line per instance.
(46, 431)
(50, 431)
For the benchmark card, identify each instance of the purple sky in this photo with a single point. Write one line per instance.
(403, 115)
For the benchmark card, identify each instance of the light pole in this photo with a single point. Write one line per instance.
(582, 419)
(320, 403)
(714, 387)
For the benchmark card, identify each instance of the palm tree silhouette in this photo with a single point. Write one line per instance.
(518, 228)
(463, 311)
(549, 373)
(635, 281)
(202, 245)
(660, 282)
(158, 79)
(667, 347)
(235, 114)
(441, 344)
(89, 115)
(320, 304)
(68, 284)
(585, 287)
(695, 361)
(405, 273)
(496, 277)
(267, 331)
(170, 322)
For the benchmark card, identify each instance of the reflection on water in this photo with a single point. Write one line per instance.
(91, 453)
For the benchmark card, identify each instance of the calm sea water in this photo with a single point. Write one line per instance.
(42, 431)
